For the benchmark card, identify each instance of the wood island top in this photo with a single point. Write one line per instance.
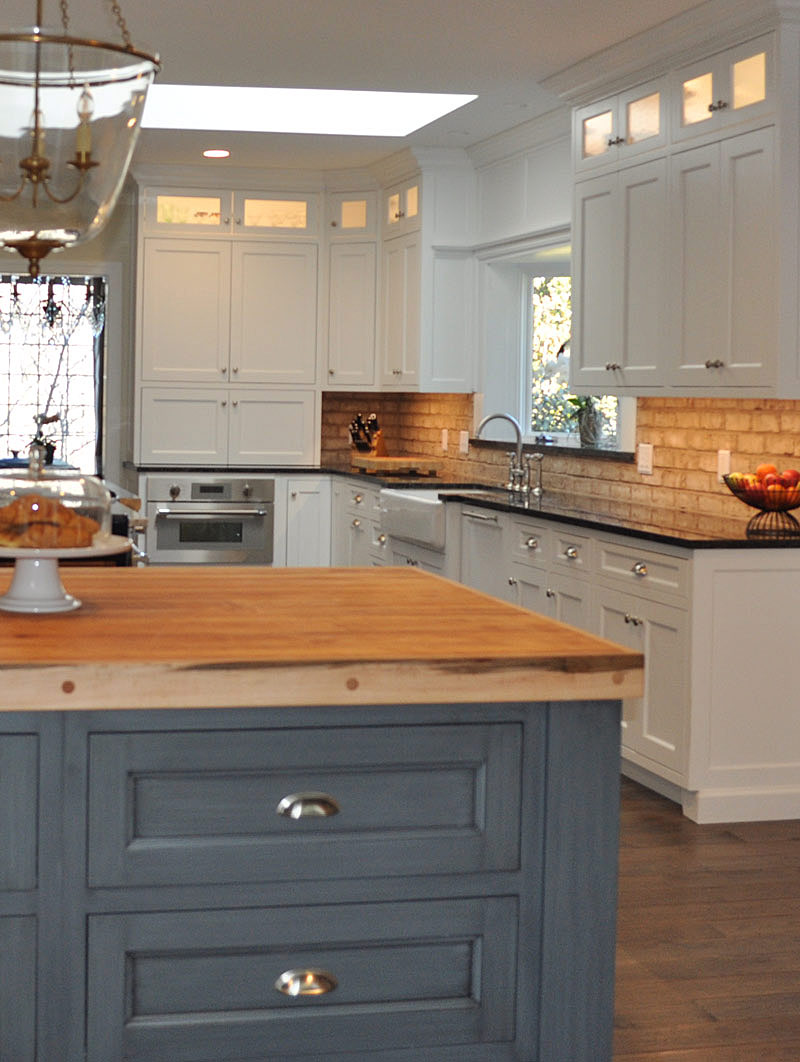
(198, 637)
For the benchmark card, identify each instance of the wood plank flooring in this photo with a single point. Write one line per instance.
(708, 940)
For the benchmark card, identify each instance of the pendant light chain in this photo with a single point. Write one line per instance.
(121, 23)
(65, 24)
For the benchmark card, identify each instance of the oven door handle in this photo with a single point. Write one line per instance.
(204, 514)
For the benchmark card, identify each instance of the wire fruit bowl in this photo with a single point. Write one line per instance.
(773, 519)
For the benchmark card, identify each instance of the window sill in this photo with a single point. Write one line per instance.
(621, 456)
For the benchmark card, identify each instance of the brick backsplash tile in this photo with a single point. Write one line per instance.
(685, 432)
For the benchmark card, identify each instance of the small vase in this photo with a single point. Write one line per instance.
(589, 427)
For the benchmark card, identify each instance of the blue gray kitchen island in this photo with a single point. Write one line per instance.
(306, 814)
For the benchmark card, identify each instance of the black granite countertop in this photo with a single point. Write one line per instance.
(602, 517)
(649, 524)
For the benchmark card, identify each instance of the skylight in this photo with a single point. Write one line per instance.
(283, 110)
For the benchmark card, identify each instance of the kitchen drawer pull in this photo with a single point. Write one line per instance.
(633, 620)
(480, 516)
(204, 514)
(612, 366)
(571, 552)
(715, 363)
(307, 806)
(639, 568)
(306, 982)
(532, 543)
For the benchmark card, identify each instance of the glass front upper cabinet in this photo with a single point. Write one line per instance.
(732, 86)
(230, 212)
(350, 214)
(622, 125)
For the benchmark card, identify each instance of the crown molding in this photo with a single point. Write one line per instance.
(230, 178)
(536, 133)
(712, 26)
(408, 162)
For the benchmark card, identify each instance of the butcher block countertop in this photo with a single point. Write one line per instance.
(208, 637)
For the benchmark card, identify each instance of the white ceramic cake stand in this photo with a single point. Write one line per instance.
(36, 585)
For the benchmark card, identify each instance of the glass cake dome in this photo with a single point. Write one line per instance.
(42, 507)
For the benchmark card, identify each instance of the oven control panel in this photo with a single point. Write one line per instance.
(210, 489)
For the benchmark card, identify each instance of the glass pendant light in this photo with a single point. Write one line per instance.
(70, 113)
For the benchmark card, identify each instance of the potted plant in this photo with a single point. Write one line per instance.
(588, 416)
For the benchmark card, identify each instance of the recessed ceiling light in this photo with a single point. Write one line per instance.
(280, 110)
(216, 153)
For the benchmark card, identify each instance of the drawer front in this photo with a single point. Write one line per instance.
(201, 807)
(643, 570)
(19, 805)
(178, 987)
(531, 543)
(572, 552)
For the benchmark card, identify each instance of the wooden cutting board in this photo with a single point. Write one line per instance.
(409, 465)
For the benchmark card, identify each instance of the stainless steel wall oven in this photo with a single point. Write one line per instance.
(210, 519)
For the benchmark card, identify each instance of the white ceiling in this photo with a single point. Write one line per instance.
(500, 49)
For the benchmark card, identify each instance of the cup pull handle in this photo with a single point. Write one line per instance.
(306, 982)
(307, 806)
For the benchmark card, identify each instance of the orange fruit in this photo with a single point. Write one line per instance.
(765, 470)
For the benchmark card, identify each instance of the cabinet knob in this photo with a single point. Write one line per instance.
(358, 498)
(612, 366)
(356, 522)
(639, 568)
(235, 402)
(307, 806)
(571, 552)
(226, 221)
(294, 493)
(512, 581)
(716, 363)
(382, 540)
(532, 543)
(236, 368)
(223, 369)
(549, 593)
(413, 563)
(331, 372)
(223, 403)
(334, 223)
(306, 982)
(720, 105)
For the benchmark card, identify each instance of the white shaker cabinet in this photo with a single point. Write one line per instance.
(226, 426)
(400, 312)
(218, 311)
(654, 727)
(352, 278)
(426, 330)
(184, 311)
(356, 537)
(620, 277)
(308, 522)
(724, 315)
(273, 313)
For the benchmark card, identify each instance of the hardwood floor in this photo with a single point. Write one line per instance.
(708, 953)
